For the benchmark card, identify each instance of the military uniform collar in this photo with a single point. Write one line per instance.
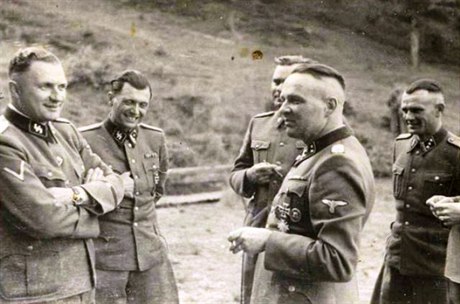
(120, 135)
(23, 122)
(428, 144)
(317, 145)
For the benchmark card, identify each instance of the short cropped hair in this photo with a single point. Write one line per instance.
(319, 70)
(26, 56)
(292, 59)
(429, 85)
(134, 78)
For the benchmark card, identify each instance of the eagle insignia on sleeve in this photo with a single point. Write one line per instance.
(333, 204)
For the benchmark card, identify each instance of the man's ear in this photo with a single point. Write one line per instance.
(14, 90)
(110, 95)
(331, 105)
(440, 107)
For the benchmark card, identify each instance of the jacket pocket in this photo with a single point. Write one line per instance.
(29, 276)
(260, 150)
(50, 177)
(437, 183)
(398, 181)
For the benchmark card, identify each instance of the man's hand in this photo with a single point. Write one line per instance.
(446, 209)
(94, 174)
(262, 172)
(62, 195)
(128, 184)
(251, 240)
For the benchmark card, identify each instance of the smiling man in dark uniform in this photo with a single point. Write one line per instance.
(309, 248)
(53, 187)
(265, 157)
(131, 258)
(425, 163)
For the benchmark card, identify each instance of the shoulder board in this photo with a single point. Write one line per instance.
(62, 120)
(143, 125)
(3, 124)
(404, 136)
(90, 127)
(453, 140)
(265, 114)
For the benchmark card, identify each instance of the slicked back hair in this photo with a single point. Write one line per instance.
(24, 57)
(134, 78)
(292, 59)
(320, 70)
(426, 84)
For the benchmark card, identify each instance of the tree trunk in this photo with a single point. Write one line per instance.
(414, 43)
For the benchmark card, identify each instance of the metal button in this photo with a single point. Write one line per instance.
(406, 223)
(410, 188)
(407, 206)
(135, 224)
(417, 152)
(133, 161)
(67, 182)
(137, 193)
(136, 176)
(436, 178)
(257, 146)
(291, 288)
(281, 144)
(154, 167)
(136, 208)
(278, 163)
(130, 145)
(50, 173)
(30, 247)
(412, 170)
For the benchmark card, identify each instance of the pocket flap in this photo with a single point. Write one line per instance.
(296, 186)
(437, 177)
(260, 144)
(45, 172)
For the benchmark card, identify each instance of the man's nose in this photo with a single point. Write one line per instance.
(58, 95)
(135, 109)
(409, 115)
(285, 108)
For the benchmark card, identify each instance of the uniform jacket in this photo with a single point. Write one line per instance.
(129, 238)
(316, 218)
(46, 252)
(265, 141)
(418, 240)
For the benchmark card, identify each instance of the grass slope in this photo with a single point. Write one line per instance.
(207, 85)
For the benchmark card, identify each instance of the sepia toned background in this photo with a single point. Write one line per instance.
(210, 63)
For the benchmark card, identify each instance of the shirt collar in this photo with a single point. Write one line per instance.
(317, 145)
(25, 123)
(120, 135)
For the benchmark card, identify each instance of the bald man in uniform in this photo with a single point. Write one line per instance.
(265, 157)
(308, 250)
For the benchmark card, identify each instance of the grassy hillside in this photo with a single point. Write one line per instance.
(198, 57)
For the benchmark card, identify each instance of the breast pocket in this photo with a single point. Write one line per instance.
(26, 275)
(437, 183)
(50, 177)
(260, 150)
(398, 181)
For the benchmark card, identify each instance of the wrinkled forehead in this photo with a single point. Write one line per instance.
(42, 71)
(130, 92)
(422, 97)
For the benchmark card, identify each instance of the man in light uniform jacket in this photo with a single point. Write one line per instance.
(425, 163)
(309, 248)
(131, 256)
(265, 157)
(53, 187)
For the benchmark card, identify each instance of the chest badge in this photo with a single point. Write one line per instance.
(333, 204)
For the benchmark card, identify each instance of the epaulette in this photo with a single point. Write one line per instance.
(404, 136)
(4, 123)
(63, 120)
(90, 127)
(453, 140)
(143, 125)
(265, 114)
